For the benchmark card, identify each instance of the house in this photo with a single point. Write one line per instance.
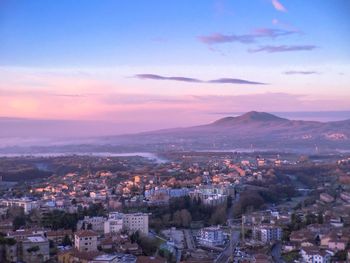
(335, 240)
(303, 235)
(85, 241)
(145, 259)
(73, 255)
(35, 249)
(315, 255)
(324, 197)
(337, 244)
(345, 196)
(59, 235)
(130, 248)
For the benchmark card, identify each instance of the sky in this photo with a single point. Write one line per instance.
(142, 65)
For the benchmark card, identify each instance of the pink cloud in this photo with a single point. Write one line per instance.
(278, 6)
(282, 48)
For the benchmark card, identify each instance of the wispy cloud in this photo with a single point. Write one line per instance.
(278, 6)
(235, 81)
(194, 80)
(283, 48)
(300, 72)
(218, 38)
(158, 77)
(285, 25)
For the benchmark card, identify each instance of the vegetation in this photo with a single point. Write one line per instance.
(148, 245)
(291, 256)
(58, 219)
(33, 249)
(184, 210)
(7, 241)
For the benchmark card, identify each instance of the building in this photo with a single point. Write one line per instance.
(324, 197)
(267, 233)
(211, 236)
(314, 255)
(114, 223)
(136, 222)
(95, 223)
(58, 236)
(27, 204)
(11, 251)
(211, 195)
(345, 196)
(35, 249)
(114, 258)
(85, 241)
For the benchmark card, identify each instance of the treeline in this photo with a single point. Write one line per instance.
(182, 211)
(25, 175)
(255, 199)
(57, 219)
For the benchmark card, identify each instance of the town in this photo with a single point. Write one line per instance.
(182, 207)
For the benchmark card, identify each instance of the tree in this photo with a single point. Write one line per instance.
(33, 249)
(219, 216)
(14, 211)
(177, 218)
(66, 241)
(19, 221)
(320, 218)
(186, 218)
(229, 202)
(148, 245)
(135, 237)
(35, 216)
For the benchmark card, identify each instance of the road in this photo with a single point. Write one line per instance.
(189, 239)
(276, 252)
(225, 255)
(235, 235)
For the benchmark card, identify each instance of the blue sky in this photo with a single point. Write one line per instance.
(82, 59)
(109, 33)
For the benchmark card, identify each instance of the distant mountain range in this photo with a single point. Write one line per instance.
(250, 131)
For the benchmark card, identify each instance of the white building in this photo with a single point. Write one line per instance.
(95, 223)
(267, 234)
(85, 241)
(211, 236)
(136, 222)
(314, 255)
(26, 203)
(114, 258)
(114, 223)
(211, 195)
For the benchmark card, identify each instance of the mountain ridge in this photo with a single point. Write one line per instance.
(262, 129)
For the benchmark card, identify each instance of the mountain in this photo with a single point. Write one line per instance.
(257, 130)
(249, 117)
(250, 131)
